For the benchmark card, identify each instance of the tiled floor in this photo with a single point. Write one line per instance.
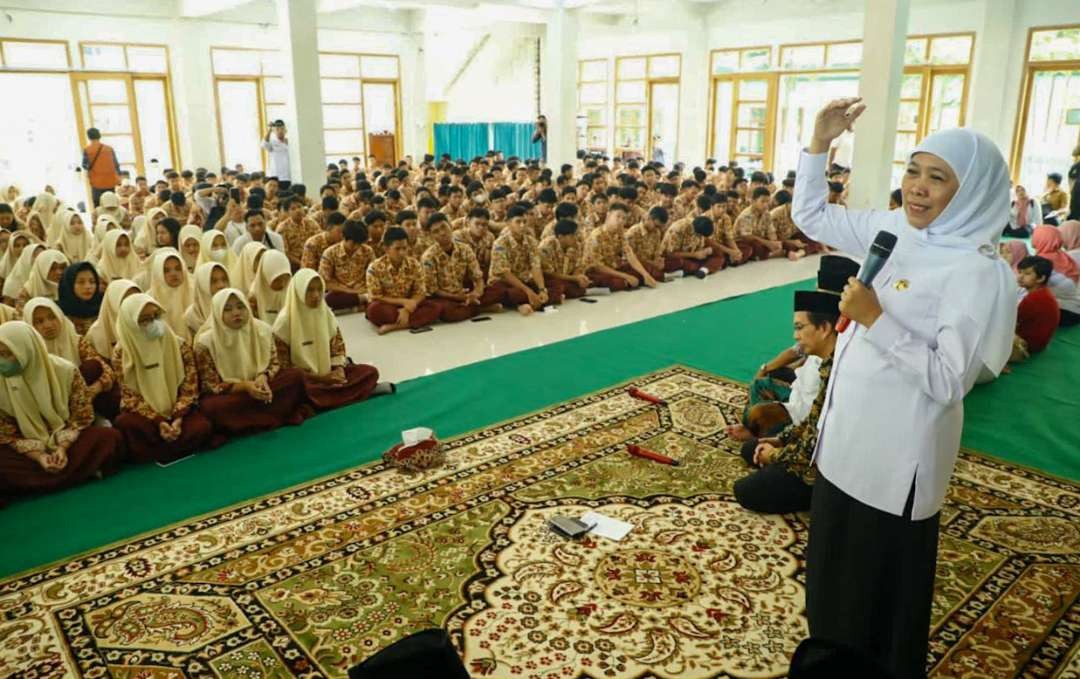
(401, 356)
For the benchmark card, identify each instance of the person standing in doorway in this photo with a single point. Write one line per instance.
(540, 134)
(101, 165)
(277, 148)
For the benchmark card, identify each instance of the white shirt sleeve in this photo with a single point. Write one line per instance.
(265, 145)
(849, 230)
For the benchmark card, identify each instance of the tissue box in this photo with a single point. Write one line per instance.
(425, 454)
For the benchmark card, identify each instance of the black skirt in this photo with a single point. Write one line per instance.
(870, 578)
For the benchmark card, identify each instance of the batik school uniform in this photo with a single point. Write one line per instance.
(725, 235)
(405, 281)
(309, 339)
(681, 237)
(159, 384)
(647, 244)
(314, 248)
(447, 272)
(226, 357)
(786, 484)
(419, 244)
(750, 223)
(296, 237)
(602, 248)
(452, 213)
(557, 260)
(44, 406)
(481, 246)
(338, 267)
(520, 257)
(786, 230)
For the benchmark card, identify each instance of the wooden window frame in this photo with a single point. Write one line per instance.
(606, 104)
(362, 80)
(34, 69)
(648, 81)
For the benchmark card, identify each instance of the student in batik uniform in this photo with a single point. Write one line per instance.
(796, 244)
(754, 227)
(561, 262)
(453, 278)
(46, 441)
(171, 287)
(645, 240)
(396, 291)
(477, 236)
(315, 246)
(515, 264)
(295, 229)
(608, 262)
(270, 285)
(344, 266)
(687, 247)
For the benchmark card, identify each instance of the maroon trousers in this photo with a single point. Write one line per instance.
(107, 403)
(343, 300)
(510, 296)
(238, 414)
(381, 313)
(145, 444)
(559, 289)
(98, 449)
(757, 250)
(615, 283)
(812, 247)
(360, 381)
(691, 266)
(456, 312)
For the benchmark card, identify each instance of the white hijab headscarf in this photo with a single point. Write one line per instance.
(201, 306)
(965, 236)
(66, 343)
(154, 368)
(190, 232)
(307, 331)
(270, 302)
(174, 301)
(38, 283)
(77, 246)
(207, 248)
(8, 261)
(102, 334)
(20, 273)
(37, 398)
(239, 355)
(111, 265)
(242, 274)
(146, 238)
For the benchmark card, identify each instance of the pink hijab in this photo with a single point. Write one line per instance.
(1047, 243)
(1017, 251)
(1070, 235)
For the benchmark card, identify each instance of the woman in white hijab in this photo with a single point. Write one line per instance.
(941, 313)
(307, 336)
(46, 441)
(171, 287)
(271, 285)
(118, 258)
(244, 388)
(146, 238)
(209, 279)
(35, 226)
(242, 273)
(61, 339)
(48, 208)
(44, 279)
(19, 240)
(102, 334)
(74, 239)
(20, 273)
(160, 385)
(190, 245)
(215, 248)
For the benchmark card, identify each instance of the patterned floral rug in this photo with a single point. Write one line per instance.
(310, 581)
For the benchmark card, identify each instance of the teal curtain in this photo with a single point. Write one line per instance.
(461, 140)
(515, 139)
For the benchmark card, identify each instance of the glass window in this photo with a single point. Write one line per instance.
(1048, 137)
(750, 141)
(844, 55)
(277, 112)
(104, 58)
(631, 116)
(726, 61)
(123, 144)
(19, 54)
(379, 67)
(594, 71)
(911, 86)
(111, 118)
(950, 50)
(915, 51)
(753, 90)
(596, 137)
(238, 123)
(380, 108)
(664, 67)
(756, 59)
(343, 141)
(905, 144)
(946, 101)
(1048, 45)
(632, 138)
(630, 69)
(340, 91)
(152, 107)
(801, 96)
(751, 115)
(147, 59)
(802, 57)
(631, 92)
(909, 116)
(107, 91)
(273, 63)
(593, 93)
(236, 62)
(275, 91)
(337, 115)
(596, 116)
(339, 65)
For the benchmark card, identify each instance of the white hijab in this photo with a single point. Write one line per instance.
(239, 355)
(8, 261)
(38, 283)
(111, 265)
(966, 234)
(153, 368)
(242, 274)
(20, 273)
(102, 333)
(270, 302)
(202, 301)
(190, 232)
(307, 331)
(66, 343)
(207, 248)
(37, 398)
(77, 246)
(174, 301)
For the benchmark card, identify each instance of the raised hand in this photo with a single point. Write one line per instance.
(838, 116)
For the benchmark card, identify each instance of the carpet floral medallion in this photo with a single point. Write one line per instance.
(312, 580)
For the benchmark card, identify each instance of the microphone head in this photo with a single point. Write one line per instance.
(883, 244)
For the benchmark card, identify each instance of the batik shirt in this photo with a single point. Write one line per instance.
(296, 236)
(210, 379)
(557, 260)
(518, 257)
(602, 248)
(131, 401)
(751, 223)
(339, 266)
(481, 246)
(799, 440)
(783, 223)
(646, 243)
(681, 237)
(80, 416)
(446, 272)
(403, 282)
(314, 248)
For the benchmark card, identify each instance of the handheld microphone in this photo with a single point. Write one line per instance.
(879, 253)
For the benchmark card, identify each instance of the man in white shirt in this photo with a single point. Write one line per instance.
(258, 233)
(277, 151)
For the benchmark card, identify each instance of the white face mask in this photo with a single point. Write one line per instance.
(219, 254)
(155, 329)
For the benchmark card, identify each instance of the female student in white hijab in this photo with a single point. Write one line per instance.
(942, 311)
(16, 244)
(209, 279)
(307, 336)
(171, 287)
(61, 339)
(46, 441)
(270, 286)
(244, 388)
(160, 385)
(190, 245)
(215, 248)
(102, 334)
(117, 258)
(35, 225)
(20, 273)
(242, 272)
(44, 279)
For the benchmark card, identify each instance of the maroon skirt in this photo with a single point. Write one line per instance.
(98, 449)
(360, 381)
(238, 414)
(144, 442)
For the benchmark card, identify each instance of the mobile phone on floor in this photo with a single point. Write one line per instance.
(480, 319)
(417, 331)
(588, 300)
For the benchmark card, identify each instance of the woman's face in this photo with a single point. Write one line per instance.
(149, 314)
(164, 238)
(5, 238)
(17, 245)
(280, 283)
(76, 225)
(85, 285)
(928, 186)
(46, 323)
(219, 280)
(56, 272)
(6, 353)
(174, 272)
(191, 247)
(1021, 193)
(123, 247)
(235, 314)
(314, 294)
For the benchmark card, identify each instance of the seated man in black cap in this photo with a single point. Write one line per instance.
(785, 481)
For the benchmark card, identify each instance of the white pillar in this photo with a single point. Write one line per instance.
(193, 98)
(694, 88)
(988, 99)
(300, 43)
(558, 81)
(885, 28)
(414, 96)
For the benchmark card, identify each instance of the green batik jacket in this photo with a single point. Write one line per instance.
(799, 440)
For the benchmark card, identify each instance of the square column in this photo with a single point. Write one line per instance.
(192, 79)
(559, 87)
(300, 43)
(990, 99)
(694, 86)
(415, 118)
(885, 28)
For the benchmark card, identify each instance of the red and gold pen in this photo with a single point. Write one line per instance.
(638, 451)
(639, 394)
